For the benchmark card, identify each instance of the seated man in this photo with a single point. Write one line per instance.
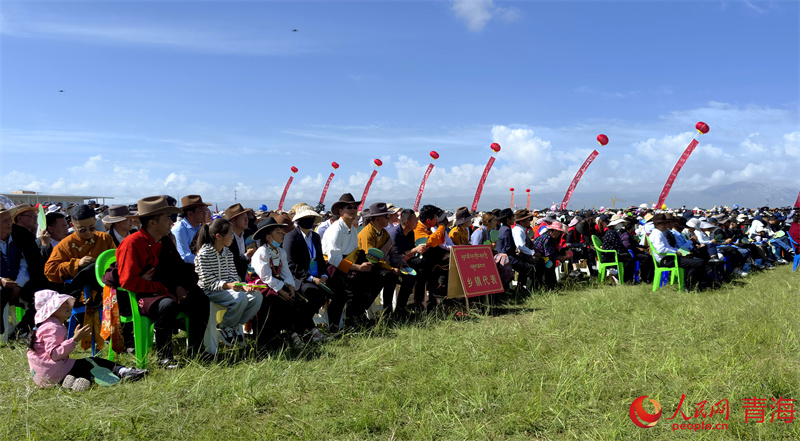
(308, 266)
(119, 222)
(664, 242)
(14, 274)
(387, 272)
(432, 227)
(522, 260)
(194, 214)
(239, 218)
(73, 258)
(460, 232)
(57, 229)
(403, 246)
(352, 272)
(139, 262)
(23, 234)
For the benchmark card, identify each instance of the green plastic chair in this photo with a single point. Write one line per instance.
(104, 260)
(601, 266)
(143, 327)
(675, 272)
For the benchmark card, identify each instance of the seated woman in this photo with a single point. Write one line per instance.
(283, 308)
(217, 275)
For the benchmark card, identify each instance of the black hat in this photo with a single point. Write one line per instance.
(463, 216)
(265, 227)
(344, 199)
(377, 209)
(505, 213)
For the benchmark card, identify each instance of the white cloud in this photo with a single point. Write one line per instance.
(125, 31)
(746, 144)
(476, 13)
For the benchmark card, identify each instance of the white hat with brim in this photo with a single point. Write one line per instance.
(306, 211)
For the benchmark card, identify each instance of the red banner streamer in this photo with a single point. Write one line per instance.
(480, 184)
(366, 189)
(285, 190)
(577, 178)
(797, 203)
(422, 186)
(668, 185)
(325, 190)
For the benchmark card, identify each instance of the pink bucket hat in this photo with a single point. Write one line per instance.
(47, 302)
(557, 226)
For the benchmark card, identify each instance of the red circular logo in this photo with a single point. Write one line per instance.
(640, 417)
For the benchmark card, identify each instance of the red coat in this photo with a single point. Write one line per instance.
(136, 255)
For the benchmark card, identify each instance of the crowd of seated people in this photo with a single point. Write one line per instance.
(274, 272)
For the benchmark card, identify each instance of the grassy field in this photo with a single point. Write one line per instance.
(556, 366)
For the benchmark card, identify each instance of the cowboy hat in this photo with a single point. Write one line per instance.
(377, 209)
(505, 213)
(19, 209)
(154, 206)
(118, 213)
(463, 216)
(521, 215)
(235, 210)
(344, 199)
(265, 227)
(659, 218)
(192, 200)
(306, 211)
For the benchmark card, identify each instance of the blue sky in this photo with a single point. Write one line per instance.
(216, 97)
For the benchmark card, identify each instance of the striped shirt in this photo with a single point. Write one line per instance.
(214, 269)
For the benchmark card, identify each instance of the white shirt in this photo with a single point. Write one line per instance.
(518, 233)
(23, 276)
(260, 264)
(240, 242)
(339, 241)
(661, 244)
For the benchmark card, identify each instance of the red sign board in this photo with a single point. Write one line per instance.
(473, 272)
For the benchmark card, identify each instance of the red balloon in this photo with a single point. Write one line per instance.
(701, 127)
(495, 146)
(335, 165)
(378, 162)
(527, 190)
(512, 188)
(602, 139)
(294, 169)
(434, 155)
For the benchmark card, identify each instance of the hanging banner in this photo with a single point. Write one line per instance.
(366, 189)
(422, 186)
(495, 148)
(325, 190)
(335, 166)
(797, 202)
(377, 163)
(577, 178)
(285, 190)
(702, 128)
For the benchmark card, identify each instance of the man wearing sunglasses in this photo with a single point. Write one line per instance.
(73, 258)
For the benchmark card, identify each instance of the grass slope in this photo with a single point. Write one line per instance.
(555, 366)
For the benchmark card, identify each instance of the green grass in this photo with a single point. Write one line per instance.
(555, 366)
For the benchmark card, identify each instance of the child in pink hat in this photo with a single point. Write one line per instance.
(49, 347)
